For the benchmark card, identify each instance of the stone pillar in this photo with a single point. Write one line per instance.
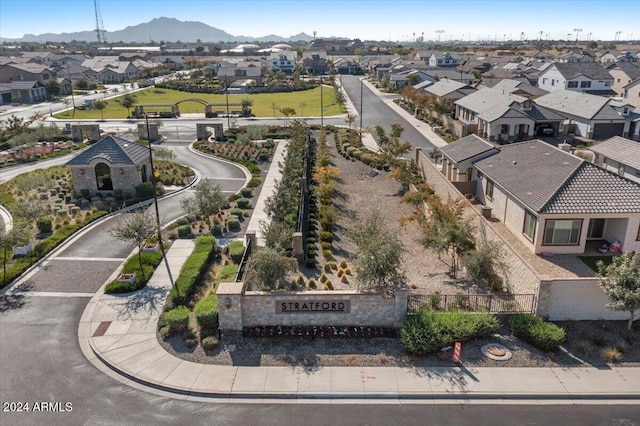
(251, 238)
(298, 248)
(544, 295)
(153, 130)
(401, 295)
(230, 306)
(418, 152)
(218, 131)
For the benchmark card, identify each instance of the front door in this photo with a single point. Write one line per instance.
(596, 229)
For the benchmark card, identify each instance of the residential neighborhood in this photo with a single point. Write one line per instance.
(209, 225)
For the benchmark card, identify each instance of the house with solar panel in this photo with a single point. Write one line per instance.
(110, 166)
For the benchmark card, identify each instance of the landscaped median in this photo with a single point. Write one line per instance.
(135, 274)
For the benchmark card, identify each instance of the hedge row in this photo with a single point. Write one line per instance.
(150, 261)
(429, 331)
(543, 335)
(176, 320)
(236, 251)
(193, 270)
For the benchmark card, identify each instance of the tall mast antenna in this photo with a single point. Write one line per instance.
(100, 31)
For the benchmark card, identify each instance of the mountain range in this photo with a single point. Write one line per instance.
(158, 29)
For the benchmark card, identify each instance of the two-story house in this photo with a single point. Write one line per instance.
(619, 155)
(25, 72)
(589, 77)
(447, 91)
(285, 62)
(589, 116)
(444, 59)
(632, 93)
(614, 56)
(623, 73)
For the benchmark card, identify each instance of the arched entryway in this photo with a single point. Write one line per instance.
(103, 177)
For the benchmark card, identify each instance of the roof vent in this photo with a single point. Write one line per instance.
(514, 162)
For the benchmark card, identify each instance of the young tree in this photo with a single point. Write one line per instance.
(277, 235)
(435, 154)
(100, 106)
(287, 112)
(128, 101)
(446, 230)
(208, 199)
(302, 105)
(53, 88)
(378, 259)
(246, 107)
(485, 261)
(621, 281)
(135, 227)
(268, 268)
(9, 238)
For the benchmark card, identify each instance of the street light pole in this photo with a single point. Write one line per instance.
(361, 92)
(226, 90)
(321, 106)
(155, 200)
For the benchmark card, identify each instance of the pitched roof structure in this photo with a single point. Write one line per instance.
(467, 147)
(592, 70)
(530, 171)
(112, 149)
(620, 149)
(485, 99)
(445, 86)
(592, 190)
(579, 104)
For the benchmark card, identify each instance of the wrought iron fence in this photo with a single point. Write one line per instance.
(494, 303)
(243, 263)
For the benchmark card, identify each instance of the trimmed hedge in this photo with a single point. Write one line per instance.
(184, 231)
(541, 334)
(193, 270)
(206, 311)
(233, 223)
(243, 203)
(150, 261)
(429, 331)
(236, 250)
(177, 319)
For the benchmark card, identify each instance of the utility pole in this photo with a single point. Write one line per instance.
(321, 106)
(155, 201)
(226, 91)
(361, 112)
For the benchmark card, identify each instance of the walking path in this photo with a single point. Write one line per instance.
(118, 335)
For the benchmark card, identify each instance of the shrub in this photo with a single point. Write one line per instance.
(428, 331)
(312, 283)
(610, 355)
(254, 182)
(165, 332)
(243, 203)
(216, 230)
(209, 343)
(327, 286)
(344, 279)
(233, 223)
(191, 342)
(311, 262)
(326, 236)
(144, 190)
(233, 197)
(177, 319)
(193, 270)
(325, 245)
(327, 255)
(599, 339)
(183, 221)
(327, 268)
(583, 347)
(206, 311)
(246, 192)
(45, 224)
(535, 330)
(236, 250)
(184, 231)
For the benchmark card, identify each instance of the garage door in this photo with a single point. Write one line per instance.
(607, 130)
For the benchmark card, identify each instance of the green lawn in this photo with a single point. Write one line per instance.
(262, 103)
(591, 261)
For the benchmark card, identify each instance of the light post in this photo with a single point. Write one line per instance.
(155, 200)
(73, 100)
(226, 90)
(361, 97)
(321, 106)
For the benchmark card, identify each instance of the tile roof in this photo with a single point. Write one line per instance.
(539, 113)
(579, 104)
(445, 86)
(592, 190)
(485, 99)
(620, 149)
(112, 149)
(467, 147)
(629, 68)
(530, 171)
(592, 70)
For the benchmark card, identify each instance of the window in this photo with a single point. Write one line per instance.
(562, 232)
(530, 222)
(638, 237)
(504, 128)
(544, 81)
(489, 189)
(572, 84)
(469, 174)
(585, 84)
(553, 82)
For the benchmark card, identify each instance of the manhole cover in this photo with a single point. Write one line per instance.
(496, 352)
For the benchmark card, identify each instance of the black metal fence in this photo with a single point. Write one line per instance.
(243, 263)
(493, 303)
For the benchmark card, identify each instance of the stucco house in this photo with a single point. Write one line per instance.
(556, 203)
(26, 92)
(614, 56)
(25, 72)
(110, 165)
(447, 91)
(590, 78)
(285, 62)
(444, 59)
(589, 116)
(623, 73)
(619, 155)
(458, 158)
(632, 93)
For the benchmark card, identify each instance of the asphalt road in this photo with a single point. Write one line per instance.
(376, 113)
(41, 362)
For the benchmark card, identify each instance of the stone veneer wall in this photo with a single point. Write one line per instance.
(254, 308)
(519, 277)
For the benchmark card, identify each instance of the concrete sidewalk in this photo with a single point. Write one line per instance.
(117, 334)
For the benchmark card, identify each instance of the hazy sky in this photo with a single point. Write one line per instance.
(365, 19)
